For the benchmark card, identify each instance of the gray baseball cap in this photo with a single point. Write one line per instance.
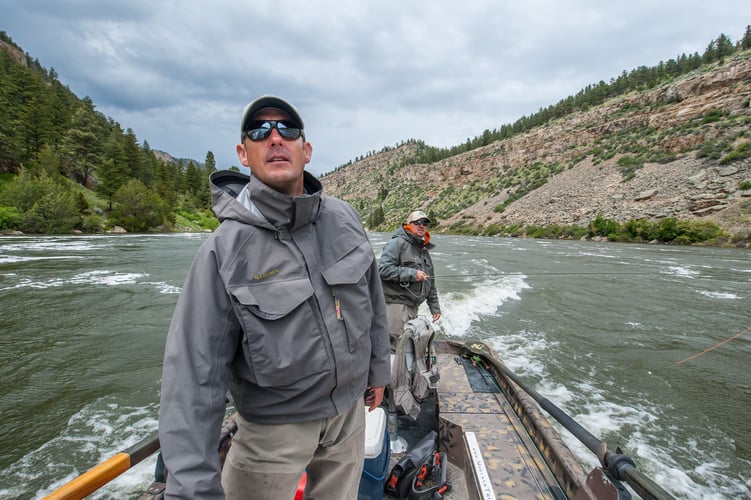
(269, 101)
(417, 215)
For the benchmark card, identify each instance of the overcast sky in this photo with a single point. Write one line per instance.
(364, 75)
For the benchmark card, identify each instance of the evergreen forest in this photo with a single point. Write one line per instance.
(65, 167)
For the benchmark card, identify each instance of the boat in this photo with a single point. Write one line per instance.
(493, 438)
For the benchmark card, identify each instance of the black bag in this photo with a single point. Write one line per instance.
(431, 482)
(399, 481)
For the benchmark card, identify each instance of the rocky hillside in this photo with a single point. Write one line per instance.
(680, 150)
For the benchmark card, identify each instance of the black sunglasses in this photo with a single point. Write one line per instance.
(260, 130)
(421, 222)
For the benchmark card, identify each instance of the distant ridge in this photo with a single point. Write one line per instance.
(680, 150)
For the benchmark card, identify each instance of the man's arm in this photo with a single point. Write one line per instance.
(389, 266)
(201, 343)
(380, 356)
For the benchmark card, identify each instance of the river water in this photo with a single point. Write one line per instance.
(600, 329)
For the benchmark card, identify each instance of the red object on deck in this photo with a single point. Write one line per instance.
(301, 486)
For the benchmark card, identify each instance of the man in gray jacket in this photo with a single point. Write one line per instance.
(283, 306)
(408, 275)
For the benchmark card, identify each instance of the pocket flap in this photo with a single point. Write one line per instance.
(276, 299)
(351, 266)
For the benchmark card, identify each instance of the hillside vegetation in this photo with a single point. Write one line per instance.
(66, 167)
(660, 153)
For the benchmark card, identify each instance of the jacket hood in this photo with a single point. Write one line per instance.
(244, 198)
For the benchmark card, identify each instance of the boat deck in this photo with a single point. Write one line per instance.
(491, 452)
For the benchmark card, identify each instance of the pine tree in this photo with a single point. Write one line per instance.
(167, 182)
(82, 146)
(724, 47)
(192, 180)
(746, 41)
(209, 167)
(12, 99)
(113, 172)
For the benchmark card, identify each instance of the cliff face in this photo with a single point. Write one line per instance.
(675, 138)
(16, 53)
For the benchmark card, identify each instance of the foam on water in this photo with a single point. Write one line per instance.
(106, 277)
(165, 288)
(718, 295)
(101, 277)
(94, 434)
(682, 271)
(47, 244)
(460, 310)
(91, 278)
(602, 418)
(15, 259)
(525, 346)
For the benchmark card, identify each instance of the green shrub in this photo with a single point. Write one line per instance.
(667, 229)
(628, 165)
(10, 218)
(54, 213)
(45, 206)
(601, 226)
(493, 229)
(92, 224)
(712, 116)
(137, 208)
(698, 231)
(742, 152)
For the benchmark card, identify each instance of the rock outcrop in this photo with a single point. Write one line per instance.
(689, 125)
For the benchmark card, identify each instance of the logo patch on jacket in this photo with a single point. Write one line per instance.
(267, 274)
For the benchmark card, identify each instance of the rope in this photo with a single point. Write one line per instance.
(715, 346)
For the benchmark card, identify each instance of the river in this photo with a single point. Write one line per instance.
(604, 330)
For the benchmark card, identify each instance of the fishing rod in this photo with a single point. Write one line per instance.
(103, 473)
(619, 465)
(737, 335)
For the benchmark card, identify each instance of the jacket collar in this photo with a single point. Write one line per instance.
(283, 211)
(405, 233)
(244, 198)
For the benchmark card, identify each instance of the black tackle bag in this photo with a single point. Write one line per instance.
(399, 481)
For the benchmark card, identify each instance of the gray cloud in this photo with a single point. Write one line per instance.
(365, 75)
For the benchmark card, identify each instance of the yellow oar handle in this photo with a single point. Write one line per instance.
(91, 480)
(101, 474)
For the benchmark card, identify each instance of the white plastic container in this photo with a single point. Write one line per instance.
(377, 454)
(375, 427)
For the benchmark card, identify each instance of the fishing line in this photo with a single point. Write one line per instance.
(531, 274)
(716, 345)
(496, 275)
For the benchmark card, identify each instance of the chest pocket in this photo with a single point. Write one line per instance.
(283, 342)
(409, 256)
(351, 291)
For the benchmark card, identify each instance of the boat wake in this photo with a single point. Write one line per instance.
(92, 435)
